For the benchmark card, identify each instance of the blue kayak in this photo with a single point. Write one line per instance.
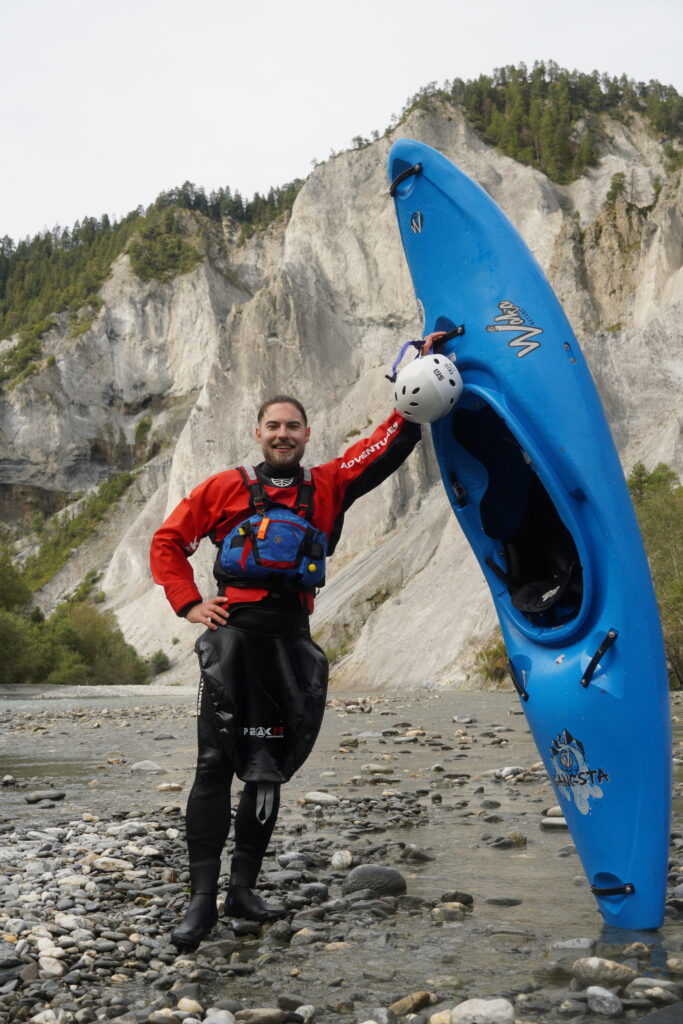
(534, 479)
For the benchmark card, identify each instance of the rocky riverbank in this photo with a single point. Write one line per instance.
(424, 872)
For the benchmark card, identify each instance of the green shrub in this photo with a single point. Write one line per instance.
(15, 594)
(76, 645)
(658, 500)
(25, 655)
(158, 663)
(617, 188)
(142, 430)
(92, 647)
(491, 660)
(160, 251)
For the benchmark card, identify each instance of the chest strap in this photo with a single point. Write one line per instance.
(259, 500)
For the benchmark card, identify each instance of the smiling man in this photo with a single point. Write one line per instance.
(263, 679)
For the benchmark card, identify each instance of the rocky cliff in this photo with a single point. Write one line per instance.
(318, 306)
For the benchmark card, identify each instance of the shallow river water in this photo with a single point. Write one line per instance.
(526, 897)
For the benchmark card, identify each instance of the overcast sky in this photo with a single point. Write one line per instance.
(106, 104)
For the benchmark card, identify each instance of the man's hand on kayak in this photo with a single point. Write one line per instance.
(430, 341)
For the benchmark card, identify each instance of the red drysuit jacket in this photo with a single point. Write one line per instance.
(219, 504)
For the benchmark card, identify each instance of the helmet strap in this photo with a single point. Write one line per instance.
(399, 357)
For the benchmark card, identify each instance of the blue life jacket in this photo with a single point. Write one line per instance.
(276, 546)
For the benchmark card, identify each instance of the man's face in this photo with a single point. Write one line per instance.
(283, 435)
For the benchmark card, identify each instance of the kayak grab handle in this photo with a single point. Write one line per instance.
(521, 690)
(456, 332)
(402, 177)
(607, 642)
(615, 890)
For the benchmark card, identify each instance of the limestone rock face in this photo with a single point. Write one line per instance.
(317, 306)
(59, 430)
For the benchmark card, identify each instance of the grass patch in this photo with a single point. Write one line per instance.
(63, 533)
(342, 645)
(491, 660)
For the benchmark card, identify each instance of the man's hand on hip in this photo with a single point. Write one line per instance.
(213, 613)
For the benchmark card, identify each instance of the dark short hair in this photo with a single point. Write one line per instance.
(279, 400)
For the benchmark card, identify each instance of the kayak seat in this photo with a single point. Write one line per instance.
(542, 564)
(541, 569)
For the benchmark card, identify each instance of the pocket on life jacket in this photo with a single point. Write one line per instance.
(277, 546)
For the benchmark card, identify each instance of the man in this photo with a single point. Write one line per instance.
(263, 679)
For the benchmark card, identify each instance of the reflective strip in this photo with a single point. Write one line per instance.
(265, 799)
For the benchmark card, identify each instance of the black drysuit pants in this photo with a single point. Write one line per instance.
(260, 706)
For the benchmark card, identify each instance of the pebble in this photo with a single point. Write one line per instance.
(441, 1017)
(325, 799)
(602, 1001)
(595, 970)
(264, 1015)
(341, 859)
(554, 824)
(483, 1011)
(190, 1006)
(578, 945)
(147, 766)
(110, 864)
(44, 794)
(413, 1003)
(660, 991)
(445, 912)
(51, 967)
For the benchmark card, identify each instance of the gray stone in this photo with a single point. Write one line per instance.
(484, 1011)
(381, 881)
(314, 890)
(289, 1000)
(383, 1015)
(44, 794)
(554, 824)
(216, 1016)
(602, 1001)
(341, 859)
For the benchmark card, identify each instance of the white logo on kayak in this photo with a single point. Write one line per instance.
(572, 776)
(512, 318)
(416, 222)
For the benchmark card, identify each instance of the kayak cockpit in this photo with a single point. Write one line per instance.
(533, 552)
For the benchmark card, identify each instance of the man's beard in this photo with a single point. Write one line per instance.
(284, 459)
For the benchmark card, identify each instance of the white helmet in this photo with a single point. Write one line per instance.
(426, 389)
